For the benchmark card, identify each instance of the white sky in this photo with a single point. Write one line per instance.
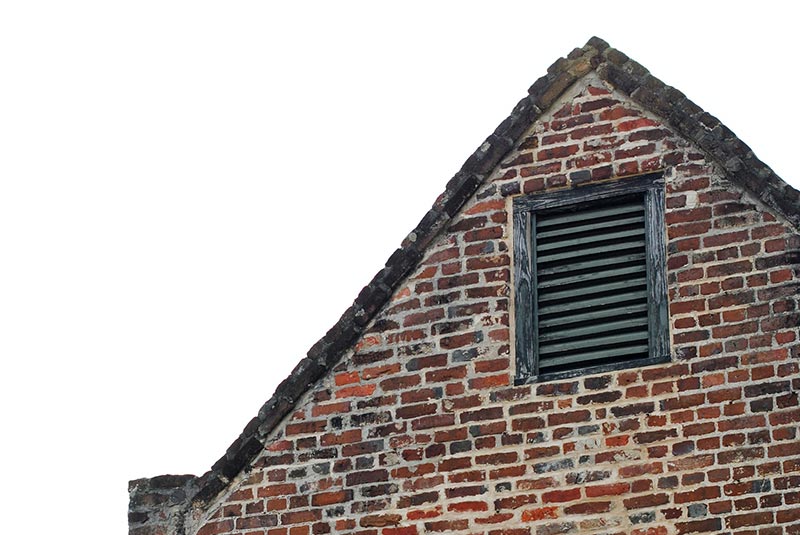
(191, 192)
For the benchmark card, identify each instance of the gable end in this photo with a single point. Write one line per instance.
(718, 143)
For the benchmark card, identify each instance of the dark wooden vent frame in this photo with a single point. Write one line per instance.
(617, 232)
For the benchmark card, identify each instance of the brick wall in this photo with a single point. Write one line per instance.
(157, 504)
(420, 428)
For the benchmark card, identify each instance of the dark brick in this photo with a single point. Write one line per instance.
(632, 410)
(654, 436)
(764, 389)
(699, 526)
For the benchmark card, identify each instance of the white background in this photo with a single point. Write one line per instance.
(191, 192)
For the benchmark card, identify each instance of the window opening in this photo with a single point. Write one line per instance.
(590, 282)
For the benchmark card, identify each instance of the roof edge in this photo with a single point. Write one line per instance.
(688, 119)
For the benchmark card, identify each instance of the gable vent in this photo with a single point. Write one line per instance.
(591, 303)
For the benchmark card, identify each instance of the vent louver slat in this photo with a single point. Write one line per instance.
(587, 276)
(592, 357)
(580, 332)
(590, 269)
(594, 315)
(596, 303)
(572, 217)
(585, 343)
(567, 291)
(578, 239)
(589, 252)
(598, 263)
(580, 229)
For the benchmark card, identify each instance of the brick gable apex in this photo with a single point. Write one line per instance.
(595, 60)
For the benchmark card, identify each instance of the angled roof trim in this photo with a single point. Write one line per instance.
(688, 119)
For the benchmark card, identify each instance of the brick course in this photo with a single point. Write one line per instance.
(419, 427)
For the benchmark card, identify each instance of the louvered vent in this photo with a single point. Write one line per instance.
(591, 285)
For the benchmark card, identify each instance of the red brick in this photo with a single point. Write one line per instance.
(750, 519)
(650, 500)
(688, 215)
(699, 526)
(356, 391)
(541, 513)
(329, 498)
(406, 530)
(490, 381)
(688, 229)
(428, 316)
(538, 170)
(557, 152)
(215, 528)
(559, 496)
(588, 508)
(346, 437)
(598, 104)
(612, 489)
